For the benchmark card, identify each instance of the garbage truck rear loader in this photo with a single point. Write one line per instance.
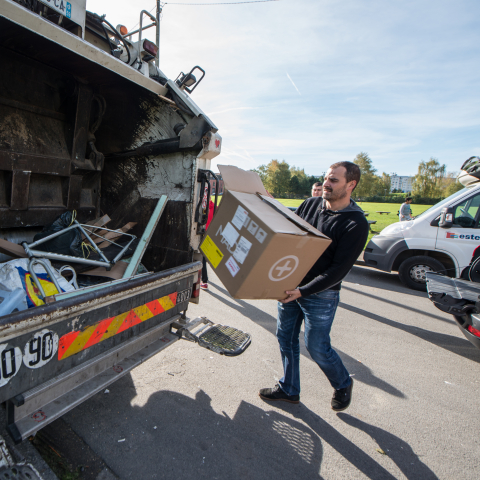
(90, 124)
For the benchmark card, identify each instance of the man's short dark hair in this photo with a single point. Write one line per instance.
(408, 198)
(317, 184)
(352, 171)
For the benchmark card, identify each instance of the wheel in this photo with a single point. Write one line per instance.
(412, 271)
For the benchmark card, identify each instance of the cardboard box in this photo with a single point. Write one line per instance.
(257, 247)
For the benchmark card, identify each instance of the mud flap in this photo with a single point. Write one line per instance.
(218, 338)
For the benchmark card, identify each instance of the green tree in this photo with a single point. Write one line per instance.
(295, 186)
(278, 178)
(369, 182)
(429, 180)
(262, 171)
(452, 188)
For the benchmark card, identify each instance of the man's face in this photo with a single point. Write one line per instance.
(317, 191)
(335, 186)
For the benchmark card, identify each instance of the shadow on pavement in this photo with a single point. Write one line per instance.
(397, 450)
(191, 440)
(401, 305)
(459, 346)
(402, 453)
(378, 279)
(361, 371)
(365, 375)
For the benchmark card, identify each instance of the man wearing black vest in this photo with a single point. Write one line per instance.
(316, 299)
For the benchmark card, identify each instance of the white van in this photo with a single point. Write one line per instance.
(432, 242)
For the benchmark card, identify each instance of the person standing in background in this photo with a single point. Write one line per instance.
(317, 189)
(405, 212)
(204, 283)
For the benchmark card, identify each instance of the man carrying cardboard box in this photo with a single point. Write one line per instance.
(315, 301)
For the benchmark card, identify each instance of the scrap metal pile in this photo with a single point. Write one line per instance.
(61, 257)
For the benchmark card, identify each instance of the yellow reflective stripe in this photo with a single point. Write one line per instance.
(143, 313)
(81, 340)
(115, 325)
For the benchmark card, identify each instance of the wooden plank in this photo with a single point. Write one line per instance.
(113, 236)
(20, 188)
(12, 249)
(117, 271)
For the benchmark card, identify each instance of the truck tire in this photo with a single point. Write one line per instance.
(412, 271)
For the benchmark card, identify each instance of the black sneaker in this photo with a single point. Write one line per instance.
(276, 393)
(341, 398)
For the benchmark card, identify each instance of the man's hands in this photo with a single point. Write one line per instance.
(292, 295)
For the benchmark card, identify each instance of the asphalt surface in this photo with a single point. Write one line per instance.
(189, 413)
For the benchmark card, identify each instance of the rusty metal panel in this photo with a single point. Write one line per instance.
(20, 188)
(82, 119)
(74, 192)
(34, 163)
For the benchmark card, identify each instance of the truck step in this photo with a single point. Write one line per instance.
(225, 340)
(218, 338)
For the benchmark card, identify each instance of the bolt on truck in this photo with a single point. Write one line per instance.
(90, 124)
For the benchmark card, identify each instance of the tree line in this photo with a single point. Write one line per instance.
(283, 181)
(430, 184)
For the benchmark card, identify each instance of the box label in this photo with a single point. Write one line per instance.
(252, 228)
(260, 236)
(230, 235)
(211, 251)
(240, 217)
(232, 266)
(241, 252)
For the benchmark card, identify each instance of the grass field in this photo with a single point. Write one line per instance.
(383, 220)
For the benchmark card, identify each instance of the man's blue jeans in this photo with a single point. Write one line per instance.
(318, 311)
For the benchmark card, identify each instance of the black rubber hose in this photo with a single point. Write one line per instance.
(121, 38)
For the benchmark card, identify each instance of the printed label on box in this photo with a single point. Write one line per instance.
(260, 236)
(252, 228)
(240, 217)
(230, 235)
(241, 252)
(210, 250)
(232, 266)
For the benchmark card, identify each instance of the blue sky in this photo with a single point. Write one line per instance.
(318, 81)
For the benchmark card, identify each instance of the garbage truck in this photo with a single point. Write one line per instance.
(90, 125)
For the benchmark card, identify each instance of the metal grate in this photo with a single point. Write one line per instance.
(225, 340)
(19, 472)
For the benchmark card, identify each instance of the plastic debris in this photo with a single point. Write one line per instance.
(121, 440)
(106, 390)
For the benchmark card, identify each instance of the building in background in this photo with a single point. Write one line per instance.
(213, 185)
(400, 182)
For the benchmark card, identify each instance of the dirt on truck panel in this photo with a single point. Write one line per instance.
(104, 163)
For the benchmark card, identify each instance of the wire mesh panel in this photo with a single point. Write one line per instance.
(225, 340)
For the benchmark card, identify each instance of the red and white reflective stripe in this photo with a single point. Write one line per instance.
(196, 286)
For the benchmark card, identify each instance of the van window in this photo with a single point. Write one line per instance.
(445, 201)
(465, 213)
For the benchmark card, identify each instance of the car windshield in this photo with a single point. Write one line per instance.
(443, 202)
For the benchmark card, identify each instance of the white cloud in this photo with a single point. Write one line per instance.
(396, 79)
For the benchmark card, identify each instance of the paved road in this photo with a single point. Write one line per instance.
(188, 413)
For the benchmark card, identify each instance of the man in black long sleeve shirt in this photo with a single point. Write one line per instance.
(315, 301)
